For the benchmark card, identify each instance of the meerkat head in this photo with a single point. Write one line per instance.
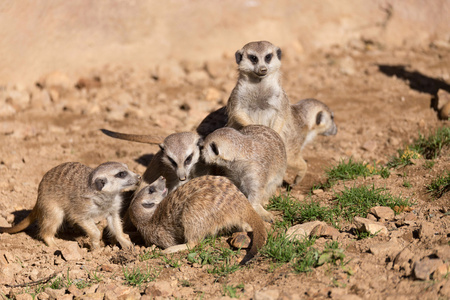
(113, 177)
(318, 117)
(221, 146)
(181, 153)
(145, 202)
(258, 59)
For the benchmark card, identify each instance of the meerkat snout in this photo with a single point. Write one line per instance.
(325, 123)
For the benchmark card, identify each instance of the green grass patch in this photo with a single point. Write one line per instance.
(136, 276)
(223, 260)
(427, 147)
(357, 201)
(439, 186)
(350, 170)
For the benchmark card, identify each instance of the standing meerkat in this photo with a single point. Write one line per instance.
(258, 97)
(80, 194)
(178, 160)
(204, 206)
(254, 158)
(309, 118)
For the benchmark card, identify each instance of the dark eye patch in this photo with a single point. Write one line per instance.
(268, 57)
(253, 58)
(214, 148)
(188, 159)
(121, 174)
(172, 162)
(151, 190)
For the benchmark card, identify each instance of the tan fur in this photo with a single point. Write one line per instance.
(178, 160)
(80, 195)
(204, 206)
(254, 158)
(309, 118)
(258, 97)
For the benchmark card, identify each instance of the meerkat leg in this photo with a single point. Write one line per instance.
(116, 229)
(49, 225)
(180, 247)
(242, 119)
(300, 167)
(92, 231)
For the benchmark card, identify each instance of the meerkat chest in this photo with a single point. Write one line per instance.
(261, 103)
(105, 206)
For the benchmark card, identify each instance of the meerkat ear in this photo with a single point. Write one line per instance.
(238, 56)
(319, 118)
(99, 183)
(279, 53)
(161, 146)
(200, 143)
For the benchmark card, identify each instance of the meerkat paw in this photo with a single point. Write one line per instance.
(264, 214)
(126, 244)
(175, 249)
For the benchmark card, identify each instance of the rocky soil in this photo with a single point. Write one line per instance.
(382, 99)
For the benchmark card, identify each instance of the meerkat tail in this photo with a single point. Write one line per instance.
(147, 139)
(22, 225)
(259, 235)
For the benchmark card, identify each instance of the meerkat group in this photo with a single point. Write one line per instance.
(199, 183)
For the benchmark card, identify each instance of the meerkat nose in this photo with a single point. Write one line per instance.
(263, 70)
(183, 178)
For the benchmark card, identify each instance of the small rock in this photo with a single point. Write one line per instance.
(443, 252)
(366, 225)
(23, 297)
(57, 80)
(88, 83)
(426, 230)
(6, 110)
(266, 295)
(390, 248)
(121, 292)
(445, 290)
(71, 251)
(324, 230)
(443, 98)
(54, 293)
(160, 288)
(404, 259)
(317, 191)
(369, 146)
(372, 217)
(347, 66)
(94, 296)
(424, 268)
(302, 230)
(74, 291)
(441, 272)
(393, 141)
(240, 240)
(383, 212)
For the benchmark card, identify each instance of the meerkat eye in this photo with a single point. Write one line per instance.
(214, 148)
(268, 57)
(253, 58)
(188, 159)
(172, 162)
(151, 190)
(332, 116)
(122, 174)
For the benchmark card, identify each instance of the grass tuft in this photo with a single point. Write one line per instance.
(439, 186)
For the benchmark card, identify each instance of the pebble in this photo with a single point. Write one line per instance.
(424, 268)
(71, 251)
(266, 295)
(240, 240)
(324, 230)
(426, 231)
(366, 225)
(159, 288)
(383, 212)
(369, 146)
(389, 249)
(301, 231)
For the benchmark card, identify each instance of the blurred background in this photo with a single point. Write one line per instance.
(37, 37)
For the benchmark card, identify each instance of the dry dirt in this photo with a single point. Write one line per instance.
(382, 99)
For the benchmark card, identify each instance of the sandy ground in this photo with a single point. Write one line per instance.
(382, 100)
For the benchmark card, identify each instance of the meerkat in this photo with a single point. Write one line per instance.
(81, 195)
(178, 160)
(254, 158)
(309, 118)
(204, 206)
(258, 97)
